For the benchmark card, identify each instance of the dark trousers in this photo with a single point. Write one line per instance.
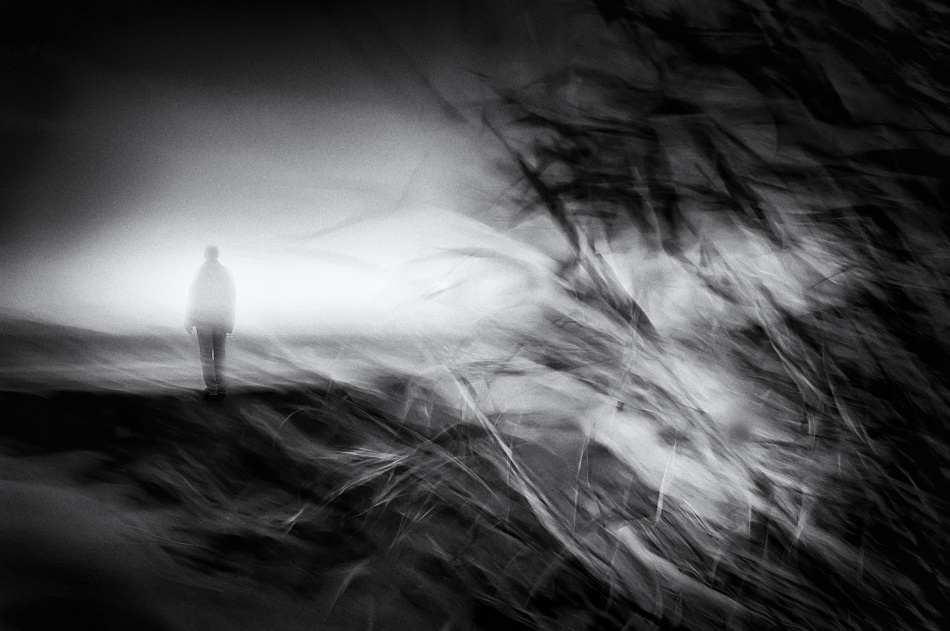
(211, 345)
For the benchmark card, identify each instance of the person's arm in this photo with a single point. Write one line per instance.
(232, 302)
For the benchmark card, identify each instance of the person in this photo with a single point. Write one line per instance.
(211, 304)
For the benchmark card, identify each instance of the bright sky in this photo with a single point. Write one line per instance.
(320, 151)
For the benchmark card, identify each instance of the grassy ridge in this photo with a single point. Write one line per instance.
(407, 491)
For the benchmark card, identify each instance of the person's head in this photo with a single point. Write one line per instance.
(211, 253)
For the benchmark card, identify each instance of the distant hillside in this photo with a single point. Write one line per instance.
(42, 356)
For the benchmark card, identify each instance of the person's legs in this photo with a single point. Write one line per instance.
(206, 349)
(218, 339)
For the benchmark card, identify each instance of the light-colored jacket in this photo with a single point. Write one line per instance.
(211, 299)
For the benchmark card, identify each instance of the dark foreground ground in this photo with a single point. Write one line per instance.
(285, 508)
(380, 498)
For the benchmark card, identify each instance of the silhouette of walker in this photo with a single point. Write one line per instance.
(211, 301)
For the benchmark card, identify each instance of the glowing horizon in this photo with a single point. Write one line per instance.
(381, 274)
(303, 145)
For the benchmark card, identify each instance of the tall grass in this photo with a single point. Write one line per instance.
(787, 161)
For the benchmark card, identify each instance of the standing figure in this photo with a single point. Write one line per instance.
(211, 312)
